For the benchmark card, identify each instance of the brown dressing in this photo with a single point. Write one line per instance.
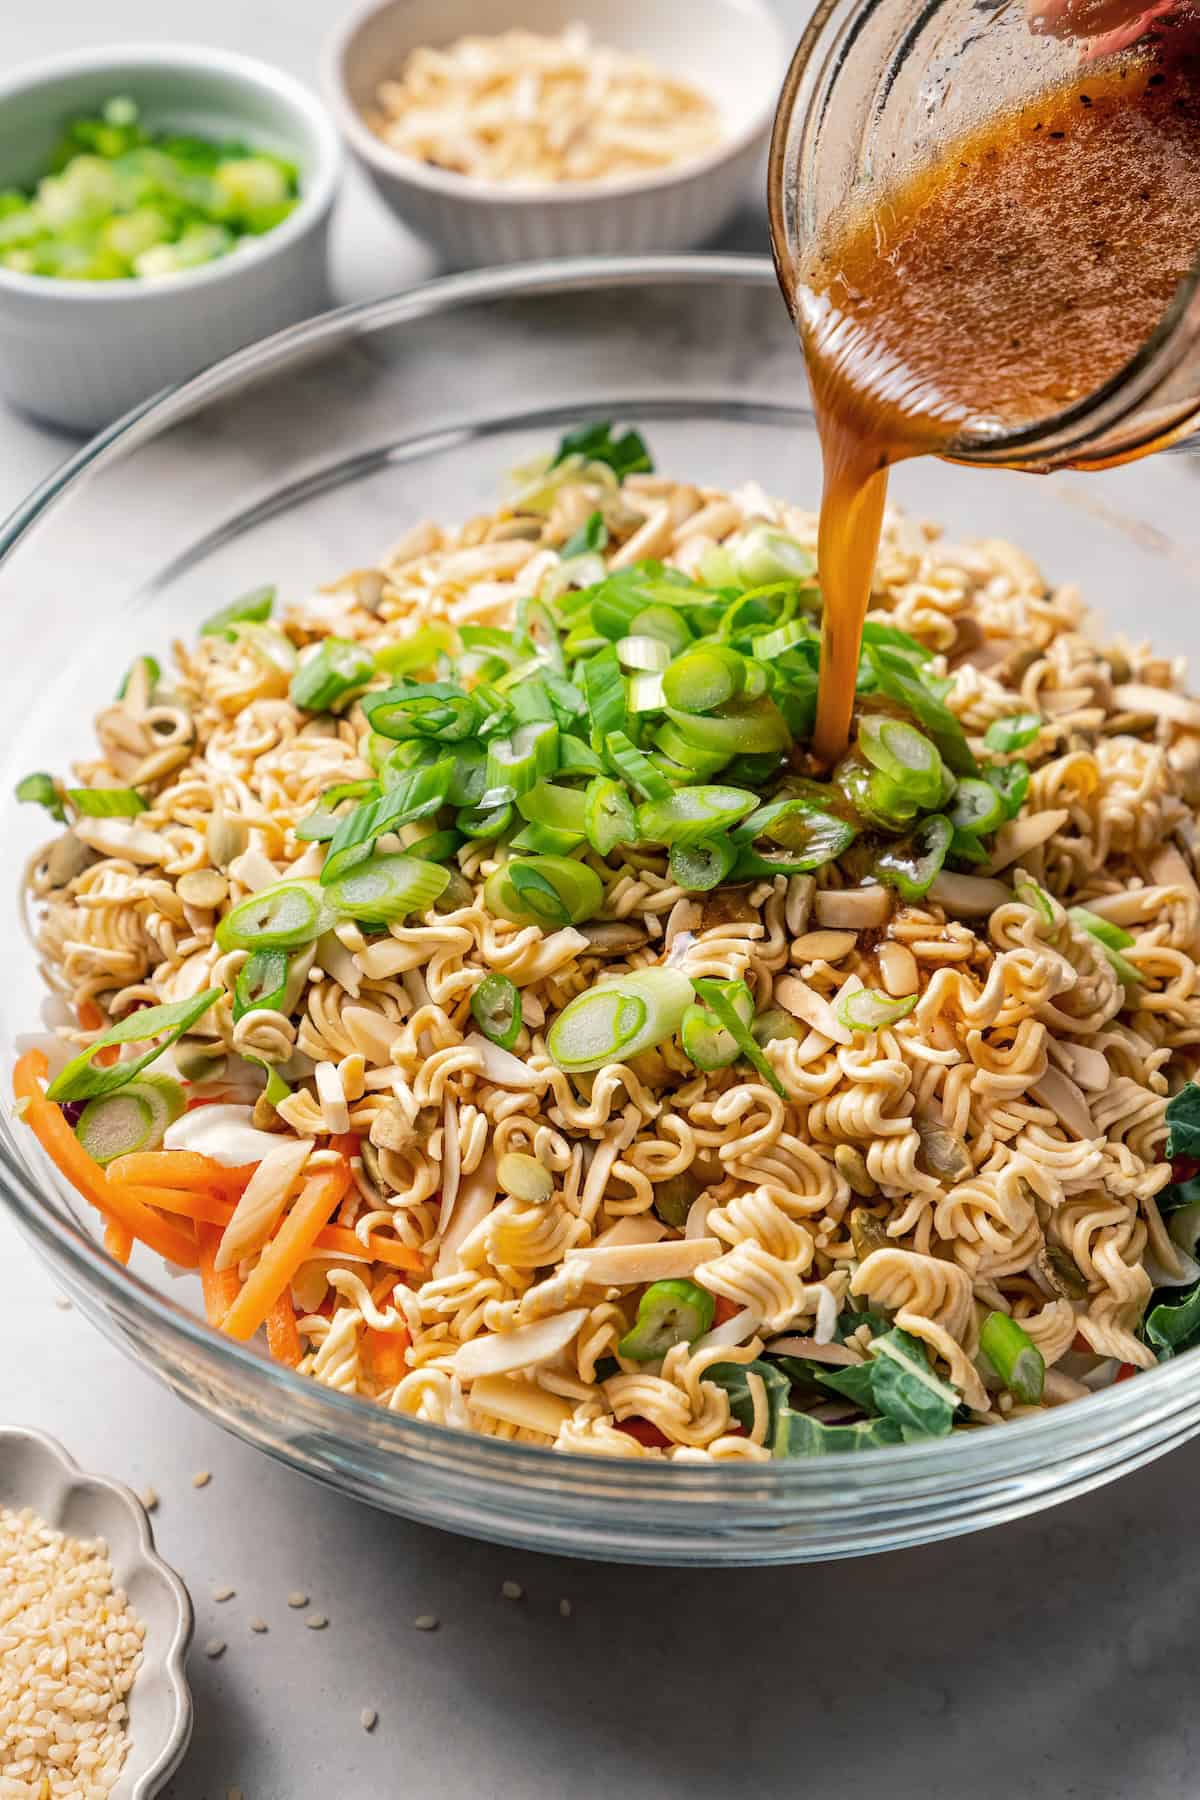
(1016, 275)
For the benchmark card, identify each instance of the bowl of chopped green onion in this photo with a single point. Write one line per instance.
(159, 208)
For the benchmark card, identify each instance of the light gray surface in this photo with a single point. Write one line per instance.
(1048, 1660)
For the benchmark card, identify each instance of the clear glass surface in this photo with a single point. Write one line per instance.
(307, 454)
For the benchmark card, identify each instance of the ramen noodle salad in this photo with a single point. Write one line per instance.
(522, 107)
(468, 972)
(69, 1651)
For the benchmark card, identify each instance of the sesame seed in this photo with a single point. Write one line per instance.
(512, 1590)
(215, 1647)
(316, 1621)
(201, 1478)
(297, 1599)
(368, 1718)
(62, 1303)
(149, 1498)
(426, 1622)
(258, 1624)
(565, 1609)
(224, 1593)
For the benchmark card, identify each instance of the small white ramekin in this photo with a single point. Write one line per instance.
(37, 1472)
(79, 353)
(733, 50)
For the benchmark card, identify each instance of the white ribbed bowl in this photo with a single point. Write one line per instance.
(37, 1472)
(733, 50)
(80, 353)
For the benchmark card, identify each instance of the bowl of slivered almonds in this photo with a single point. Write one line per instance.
(570, 127)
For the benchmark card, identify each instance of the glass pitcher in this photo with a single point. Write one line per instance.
(875, 87)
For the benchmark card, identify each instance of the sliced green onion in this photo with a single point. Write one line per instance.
(669, 1313)
(910, 867)
(592, 535)
(1014, 1356)
(619, 1019)
(713, 994)
(543, 890)
(535, 624)
(81, 1080)
(42, 790)
(281, 917)
(904, 754)
(645, 653)
(693, 762)
(769, 645)
(645, 692)
(339, 668)
(763, 553)
(262, 982)
(484, 821)
(276, 1089)
(561, 808)
(321, 824)
(609, 818)
(577, 758)
(106, 803)
(775, 1026)
(703, 865)
(874, 796)
(869, 1010)
(604, 691)
(703, 678)
(1038, 901)
(1011, 782)
(416, 794)
(252, 608)
(635, 768)
(420, 651)
(117, 1124)
(1112, 939)
(708, 1043)
(1012, 733)
(897, 677)
(744, 727)
(693, 813)
(496, 1009)
(431, 709)
(517, 763)
(433, 846)
(976, 807)
(809, 835)
(663, 624)
(271, 647)
(385, 888)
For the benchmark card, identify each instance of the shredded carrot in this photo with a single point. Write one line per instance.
(209, 1209)
(220, 1287)
(118, 1241)
(283, 1340)
(72, 1160)
(346, 1143)
(335, 1240)
(292, 1243)
(92, 1019)
(383, 1353)
(181, 1169)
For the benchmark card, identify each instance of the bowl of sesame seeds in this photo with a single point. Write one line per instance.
(94, 1629)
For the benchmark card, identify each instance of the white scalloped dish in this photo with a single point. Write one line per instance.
(37, 1472)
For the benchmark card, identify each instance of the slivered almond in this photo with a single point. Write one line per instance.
(853, 909)
(503, 1351)
(1062, 1096)
(1087, 1067)
(1019, 836)
(634, 1228)
(627, 1265)
(806, 1004)
(898, 969)
(519, 1403)
(823, 946)
(1139, 696)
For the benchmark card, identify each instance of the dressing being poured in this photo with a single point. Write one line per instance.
(990, 291)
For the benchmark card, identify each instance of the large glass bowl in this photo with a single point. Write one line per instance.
(308, 453)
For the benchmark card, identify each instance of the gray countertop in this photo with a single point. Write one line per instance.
(1049, 1659)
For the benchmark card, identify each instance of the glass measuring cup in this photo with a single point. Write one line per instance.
(875, 89)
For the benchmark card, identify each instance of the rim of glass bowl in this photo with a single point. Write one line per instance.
(1125, 1421)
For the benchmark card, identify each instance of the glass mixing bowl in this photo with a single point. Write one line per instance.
(304, 455)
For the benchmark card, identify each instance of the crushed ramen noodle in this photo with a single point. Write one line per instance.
(676, 1097)
(526, 108)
